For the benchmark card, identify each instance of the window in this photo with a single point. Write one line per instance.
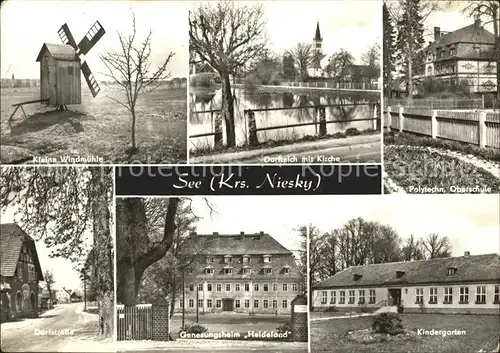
(237, 287)
(419, 295)
(255, 303)
(464, 295)
(352, 298)
(200, 287)
(256, 287)
(237, 303)
(209, 303)
(191, 287)
(266, 287)
(210, 260)
(286, 270)
(496, 295)
(452, 271)
(228, 259)
(218, 303)
(285, 287)
(267, 258)
(333, 297)
(19, 272)
(245, 259)
(324, 297)
(448, 295)
(268, 271)
(31, 272)
(246, 271)
(209, 287)
(433, 298)
(295, 287)
(372, 296)
(209, 271)
(200, 303)
(228, 287)
(218, 287)
(275, 287)
(191, 303)
(480, 294)
(361, 299)
(265, 303)
(342, 297)
(275, 304)
(228, 271)
(247, 287)
(247, 303)
(181, 303)
(284, 304)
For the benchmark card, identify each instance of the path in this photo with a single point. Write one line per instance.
(355, 149)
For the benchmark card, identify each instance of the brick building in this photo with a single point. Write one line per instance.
(466, 54)
(239, 273)
(20, 273)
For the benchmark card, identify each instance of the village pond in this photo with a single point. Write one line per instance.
(283, 108)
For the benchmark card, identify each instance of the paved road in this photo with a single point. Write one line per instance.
(46, 333)
(355, 149)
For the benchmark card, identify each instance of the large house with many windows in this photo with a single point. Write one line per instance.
(20, 273)
(465, 284)
(247, 273)
(466, 54)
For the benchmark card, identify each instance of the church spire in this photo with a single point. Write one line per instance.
(317, 37)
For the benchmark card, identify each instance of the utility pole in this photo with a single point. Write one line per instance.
(183, 299)
(197, 305)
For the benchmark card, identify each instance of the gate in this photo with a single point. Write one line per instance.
(134, 322)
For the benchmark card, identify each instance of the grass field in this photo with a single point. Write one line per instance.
(99, 127)
(482, 332)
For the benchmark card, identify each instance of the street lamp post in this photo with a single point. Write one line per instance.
(183, 299)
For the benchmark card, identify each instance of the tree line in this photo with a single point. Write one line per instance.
(359, 242)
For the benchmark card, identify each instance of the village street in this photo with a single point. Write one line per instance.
(27, 335)
(355, 149)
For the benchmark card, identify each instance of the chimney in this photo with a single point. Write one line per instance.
(477, 23)
(215, 233)
(193, 233)
(242, 233)
(467, 253)
(261, 232)
(437, 33)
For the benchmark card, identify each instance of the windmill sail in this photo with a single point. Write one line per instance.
(91, 81)
(66, 36)
(91, 38)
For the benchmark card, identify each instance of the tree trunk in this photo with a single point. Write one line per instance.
(133, 129)
(103, 248)
(228, 110)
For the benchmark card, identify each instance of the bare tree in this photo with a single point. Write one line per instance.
(436, 246)
(338, 64)
(227, 37)
(412, 249)
(48, 277)
(130, 68)
(303, 56)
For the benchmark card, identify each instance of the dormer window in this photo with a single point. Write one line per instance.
(267, 270)
(228, 259)
(267, 258)
(209, 270)
(210, 259)
(452, 271)
(357, 277)
(228, 270)
(246, 270)
(400, 274)
(286, 270)
(245, 259)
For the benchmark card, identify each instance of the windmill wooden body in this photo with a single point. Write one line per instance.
(60, 80)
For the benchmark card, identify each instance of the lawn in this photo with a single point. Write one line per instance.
(409, 167)
(99, 127)
(241, 323)
(482, 332)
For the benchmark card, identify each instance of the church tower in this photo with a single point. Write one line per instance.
(318, 41)
(316, 69)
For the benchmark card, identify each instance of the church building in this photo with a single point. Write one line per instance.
(317, 65)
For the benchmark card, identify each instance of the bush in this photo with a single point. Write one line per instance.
(363, 308)
(332, 309)
(284, 328)
(401, 308)
(352, 132)
(389, 323)
(194, 329)
(204, 79)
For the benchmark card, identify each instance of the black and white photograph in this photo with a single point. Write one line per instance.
(441, 96)
(404, 273)
(118, 96)
(57, 259)
(285, 82)
(212, 273)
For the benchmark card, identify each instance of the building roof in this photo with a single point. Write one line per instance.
(472, 268)
(318, 33)
(12, 238)
(58, 52)
(473, 33)
(237, 244)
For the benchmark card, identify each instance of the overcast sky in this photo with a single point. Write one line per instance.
(470, 221)
(26, 25)
(64, 273)
(354, 25)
